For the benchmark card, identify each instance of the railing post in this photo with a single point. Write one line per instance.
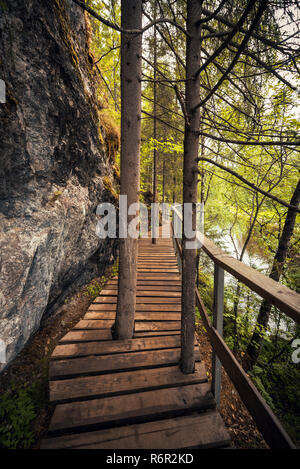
(218, 309)
(177, 222)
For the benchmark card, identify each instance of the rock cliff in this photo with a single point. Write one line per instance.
(56, 164)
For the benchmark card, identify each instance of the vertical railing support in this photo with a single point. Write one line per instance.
(177, 222)
(218, 309)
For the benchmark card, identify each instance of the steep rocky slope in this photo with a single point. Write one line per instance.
(56, 164)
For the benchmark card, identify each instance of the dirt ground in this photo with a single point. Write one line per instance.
(33, 362)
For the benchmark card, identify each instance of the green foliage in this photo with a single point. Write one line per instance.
(257, 376)
(279, 383)
(94, 288)
(18, 408)
(3, 5)
(105, 47)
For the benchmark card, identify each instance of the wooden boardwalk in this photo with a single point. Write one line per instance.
(131, 394)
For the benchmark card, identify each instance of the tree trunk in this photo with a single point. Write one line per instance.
(190, 178)
(154, 222)
(164, 180)
(174, 189)
(131, 13)
(254, 347)
(202, 201)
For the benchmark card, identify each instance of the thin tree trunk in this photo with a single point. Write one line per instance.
(202, 201)
(131, 18)
(254, 347)
(154, 228)
(164, 180)
(174, 189)
(190, 178)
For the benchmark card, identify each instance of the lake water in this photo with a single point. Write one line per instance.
(253, 256)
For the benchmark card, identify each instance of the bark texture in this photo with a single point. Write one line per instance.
(131, 11)
(154, 227)
(190, 177)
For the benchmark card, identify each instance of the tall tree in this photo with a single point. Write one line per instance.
(131, 48)
(190, 179)
(154, 223)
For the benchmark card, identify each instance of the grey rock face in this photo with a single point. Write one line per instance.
(53, 158)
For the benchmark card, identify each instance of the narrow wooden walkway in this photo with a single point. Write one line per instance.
(130, 393)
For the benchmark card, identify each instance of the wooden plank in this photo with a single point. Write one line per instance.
(94, 324)
(139, 325)
(160, 246)
(155, 260)
(66, 368)
(157, 325)
(163, 270)
(161, 267)
(160, 260)
(115, 346)
(145, 307)
(159, 283)
(130, 408)
(166, 251)
(165, 316)
(155, 333)
(193, 431)
(140, 299)
(153, 282)
(157, 276)
(147, 289)
(164, 275)
(86, 336)
(164, 257)
(147, 292)
(158, 307)
(156, 252)
(123, 383)
(102, 315)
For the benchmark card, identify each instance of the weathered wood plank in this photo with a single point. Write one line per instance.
(153, 282)
(155, 333)
(139, 325)
(158, 270)
(170, 277)
(147, 292)
(130, 408)
(141, 307)
(150, 316)
(157, 326)
(86, 336)
(139, 300)
(194, 431)
(64, 368)
(115, 346)
(123, 382)
(94, 324)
